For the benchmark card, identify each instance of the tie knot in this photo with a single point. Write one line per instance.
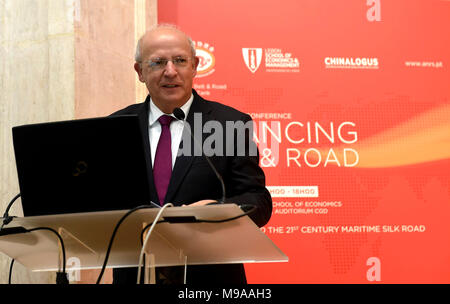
(165, 120)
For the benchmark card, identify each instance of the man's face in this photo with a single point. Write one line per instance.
(169, 85)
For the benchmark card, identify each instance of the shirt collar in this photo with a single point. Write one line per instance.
(156, 113)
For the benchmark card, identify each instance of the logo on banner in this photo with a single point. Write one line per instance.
(351, 63)
(275, 60)
(252, 58)
(207, 60)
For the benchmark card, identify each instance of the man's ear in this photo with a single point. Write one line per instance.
(196, 62)
(138, 69)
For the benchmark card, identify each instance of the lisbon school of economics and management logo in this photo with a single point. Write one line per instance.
(252, 58)
(207, 60)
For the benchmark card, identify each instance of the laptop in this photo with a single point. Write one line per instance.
(85, 165)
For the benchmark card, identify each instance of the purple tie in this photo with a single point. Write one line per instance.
(162, 167)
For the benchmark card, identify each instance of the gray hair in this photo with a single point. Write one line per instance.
(138, 55)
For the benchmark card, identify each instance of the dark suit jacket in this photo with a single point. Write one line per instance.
(193, 180)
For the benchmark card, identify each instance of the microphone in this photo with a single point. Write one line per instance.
(179, 115)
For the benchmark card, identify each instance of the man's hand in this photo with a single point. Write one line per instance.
(201, 203)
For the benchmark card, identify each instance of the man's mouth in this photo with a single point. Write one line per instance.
(170, 86)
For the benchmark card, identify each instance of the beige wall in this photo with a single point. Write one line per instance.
(63, 59)
(36, 84)
(105, 37)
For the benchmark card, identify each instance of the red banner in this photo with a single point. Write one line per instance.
(351, 107)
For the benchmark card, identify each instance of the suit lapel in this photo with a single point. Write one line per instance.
(183, 163)
(143, 113)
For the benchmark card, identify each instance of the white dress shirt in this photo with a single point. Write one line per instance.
(176, 128)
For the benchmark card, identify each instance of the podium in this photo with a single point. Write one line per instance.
(178, 242)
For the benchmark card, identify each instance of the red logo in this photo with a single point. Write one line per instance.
(207, 61)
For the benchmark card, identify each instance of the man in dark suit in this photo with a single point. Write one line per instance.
(166, 63)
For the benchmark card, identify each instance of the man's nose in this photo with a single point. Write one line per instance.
(170, 69)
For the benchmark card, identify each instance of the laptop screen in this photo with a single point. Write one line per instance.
(84, 165)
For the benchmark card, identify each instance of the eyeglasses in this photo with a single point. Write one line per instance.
(160, 63)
